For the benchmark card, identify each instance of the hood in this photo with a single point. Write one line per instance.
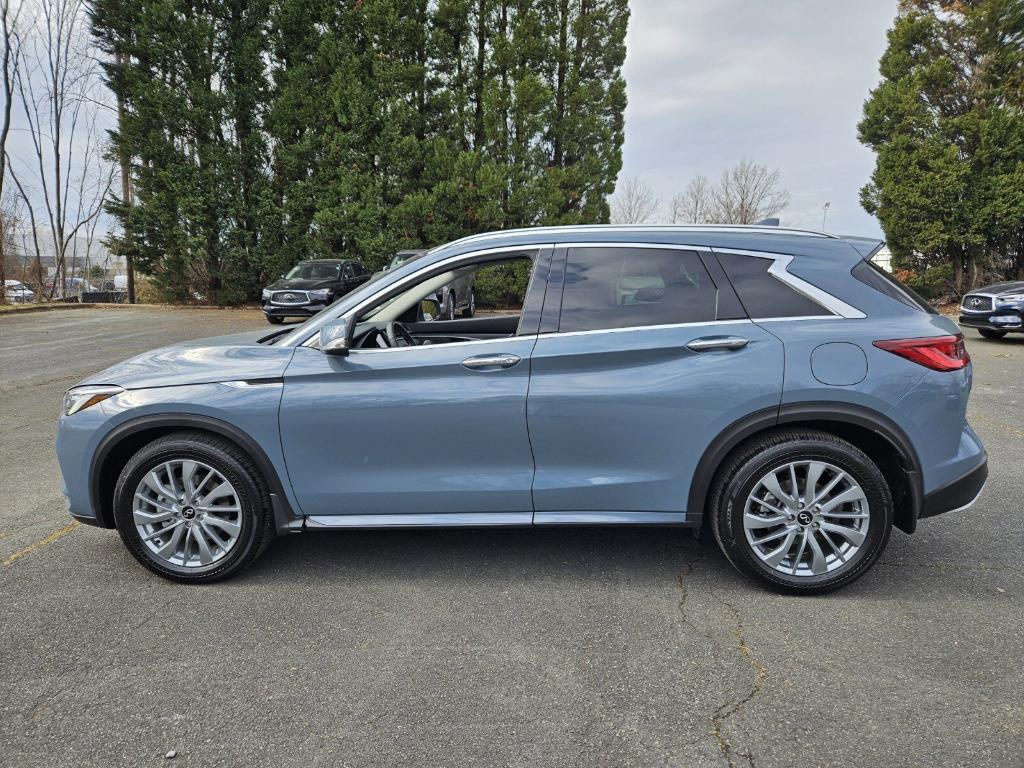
(1015, 286)
(204, 361)
(299, 285)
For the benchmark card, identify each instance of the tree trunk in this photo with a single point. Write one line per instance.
(958, 272)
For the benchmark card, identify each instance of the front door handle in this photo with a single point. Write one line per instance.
(491, 362)
(709, 343)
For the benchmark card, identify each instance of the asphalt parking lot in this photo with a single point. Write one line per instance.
(523, 648)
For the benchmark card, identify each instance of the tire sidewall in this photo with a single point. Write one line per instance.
(749, 474)
(155, 454)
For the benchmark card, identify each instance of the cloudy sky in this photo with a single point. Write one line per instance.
(781, 82)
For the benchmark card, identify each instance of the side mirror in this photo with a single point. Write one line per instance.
(430, 309)
(335, 337)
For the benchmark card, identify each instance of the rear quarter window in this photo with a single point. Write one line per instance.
(875, 277)
(763, 295)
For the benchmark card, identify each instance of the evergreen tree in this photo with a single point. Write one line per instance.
(262, 133)
(947, 125)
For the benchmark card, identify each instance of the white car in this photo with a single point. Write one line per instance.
(17, 292)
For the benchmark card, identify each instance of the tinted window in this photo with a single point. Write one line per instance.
(762, 294)
(314, 270)
(873, 275)
(626, 287)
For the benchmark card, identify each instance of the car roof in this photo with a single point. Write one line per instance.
(798, 242)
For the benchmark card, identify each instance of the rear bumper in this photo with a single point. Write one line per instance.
(957, 495)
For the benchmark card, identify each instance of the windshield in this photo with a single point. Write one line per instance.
(314, 270)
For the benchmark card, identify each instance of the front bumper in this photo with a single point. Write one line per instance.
(1009, 320)
(957, 495)
(293, 310)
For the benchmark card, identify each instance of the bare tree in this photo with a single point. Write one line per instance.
(634, 202)
(747, 193)
(67, 178)
(10, 59)
(695, 204)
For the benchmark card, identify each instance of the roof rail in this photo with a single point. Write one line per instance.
(752, 228)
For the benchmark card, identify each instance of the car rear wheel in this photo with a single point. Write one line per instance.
(990, 334)
(192, 507)
(801, 511)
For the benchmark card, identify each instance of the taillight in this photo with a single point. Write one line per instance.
(940, 353)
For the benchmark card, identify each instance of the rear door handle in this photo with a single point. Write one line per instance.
(491, 362)
(709, 343)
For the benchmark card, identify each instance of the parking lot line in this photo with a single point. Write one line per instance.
(41, 543)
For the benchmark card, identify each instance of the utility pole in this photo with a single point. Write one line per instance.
(824, 214)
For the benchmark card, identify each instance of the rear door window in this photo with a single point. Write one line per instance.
(632, 287)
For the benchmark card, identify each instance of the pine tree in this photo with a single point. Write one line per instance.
(948, 130)
(262, 133)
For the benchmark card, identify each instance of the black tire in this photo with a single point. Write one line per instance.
(257, 523)
(739, 476)
(990, 334)
(274, 320)
(470, 309)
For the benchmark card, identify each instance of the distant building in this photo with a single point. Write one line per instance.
(883, 258)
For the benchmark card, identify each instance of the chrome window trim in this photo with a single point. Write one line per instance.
(633, 328)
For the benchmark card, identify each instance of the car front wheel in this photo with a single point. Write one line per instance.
(801, 511)
(273, 320)
(990, 334)
(192, 507)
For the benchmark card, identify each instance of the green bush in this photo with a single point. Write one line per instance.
(934, 283)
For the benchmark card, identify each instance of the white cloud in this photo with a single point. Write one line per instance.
(782, 83)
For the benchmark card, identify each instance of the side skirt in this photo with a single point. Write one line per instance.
(500, 519)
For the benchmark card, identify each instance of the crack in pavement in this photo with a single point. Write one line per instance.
(726, 711)
(729, 709)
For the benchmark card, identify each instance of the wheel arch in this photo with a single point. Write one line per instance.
(874, 433)
(122, 442)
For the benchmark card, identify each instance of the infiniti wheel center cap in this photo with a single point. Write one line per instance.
(804, 518)
(188, 512)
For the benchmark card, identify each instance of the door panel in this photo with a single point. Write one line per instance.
(408, 431)
(620, 418)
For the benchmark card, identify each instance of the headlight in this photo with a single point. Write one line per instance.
(1011, 298)
(79, 398)
(266, 294)
(323, 294)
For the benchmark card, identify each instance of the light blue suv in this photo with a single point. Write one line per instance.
(770, 384)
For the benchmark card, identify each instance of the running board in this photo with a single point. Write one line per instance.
(496, 519)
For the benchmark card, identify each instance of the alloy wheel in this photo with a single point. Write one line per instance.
(806, 518)
(187, 513)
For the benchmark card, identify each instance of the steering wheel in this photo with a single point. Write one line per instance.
(398, 335)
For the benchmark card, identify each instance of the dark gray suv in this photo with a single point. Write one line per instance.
(994, 310)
